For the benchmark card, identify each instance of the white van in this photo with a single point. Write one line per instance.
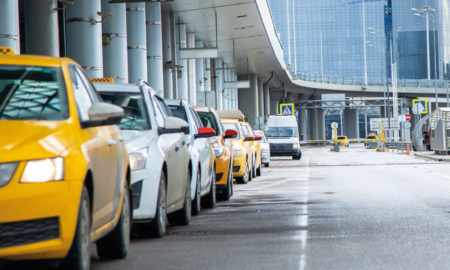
(282, 133)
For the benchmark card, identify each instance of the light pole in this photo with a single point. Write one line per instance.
(364, 40)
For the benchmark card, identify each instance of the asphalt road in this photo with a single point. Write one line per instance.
(356, 209)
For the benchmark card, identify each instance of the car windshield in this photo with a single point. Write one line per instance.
(274, 132)
(179, 111)
(136, 117)
(341, 137)
(208, 120)
(32, 93)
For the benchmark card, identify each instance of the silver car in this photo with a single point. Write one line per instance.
(265, 148)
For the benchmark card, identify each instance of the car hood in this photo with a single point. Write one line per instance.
(237, 144)
(25, 140)
(136, 139)
(283, 140)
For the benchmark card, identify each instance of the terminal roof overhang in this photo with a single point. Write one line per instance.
(246, 23)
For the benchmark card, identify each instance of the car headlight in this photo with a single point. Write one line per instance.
(7, 171)
(296, 145)
(138, 159)
(218, 150)
(237, 153)
(43, 170)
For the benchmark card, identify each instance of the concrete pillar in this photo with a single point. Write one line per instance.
(192, 68)
(115, 55)
(248, 100)
(303, 115)
(41, 27)
(182, 76)
(207, 74)
(316, 124)
(84, 36)
(219, 83)
(200, 69)
(9, 24)
(155, 67)
(260, 104)
(321, 124)
(351, 123)
(167, 55)
(266, 102)
(137, 42)
(234, 92)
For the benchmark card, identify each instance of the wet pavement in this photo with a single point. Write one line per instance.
(356, 209)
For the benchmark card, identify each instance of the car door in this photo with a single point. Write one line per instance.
(204, 148)
(102, 150)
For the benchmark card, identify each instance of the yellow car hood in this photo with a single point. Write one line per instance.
(26, 140)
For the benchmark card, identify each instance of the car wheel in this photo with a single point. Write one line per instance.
(258, 170)
(115, 244)
(245, 178)
(183, 216)
(253, 168)
(157, 227)
(79, 257)
(197, 198)
(266, 165)
(228, 191)
(209, 201)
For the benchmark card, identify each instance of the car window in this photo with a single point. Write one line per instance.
(263, 139)
(245, 130)
(32, 93)
(136, 114)
(285, 132)
(197, 120)
(81, 93)
(341, 137)
(163, 107)
(208, 120)
(178, 111)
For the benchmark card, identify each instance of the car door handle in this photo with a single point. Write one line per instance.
(121, 139)
(111, 142)
(177, 148)
(183, 143)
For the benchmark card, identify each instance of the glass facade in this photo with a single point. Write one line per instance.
(340, 41)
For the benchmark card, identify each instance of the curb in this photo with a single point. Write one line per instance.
(434, 158)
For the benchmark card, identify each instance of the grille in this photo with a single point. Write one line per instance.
(136, 190)
(276, 147)
(236, 168)
(28, 232)
(218, 176)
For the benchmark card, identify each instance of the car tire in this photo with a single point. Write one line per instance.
(79, 257)
(115, 245)
(245, 178)
(266, 165)
(253, 168)
(258, 170)
(228, 191)
(183, 216)
(156, 228)
(209, 201)
(297, 157)
(196, 202)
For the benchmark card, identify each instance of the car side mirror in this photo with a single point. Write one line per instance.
(103, 114)
(174, 125)
(249, 137)
(205, 132)
(258, 137)
(230, 134)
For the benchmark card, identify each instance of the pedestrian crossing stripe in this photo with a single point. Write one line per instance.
(287, 109)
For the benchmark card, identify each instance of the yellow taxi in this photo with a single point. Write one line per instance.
(242, 152)
(256, 148)
(343, 140)
(371, 138)
(64, 180)
(223, 151)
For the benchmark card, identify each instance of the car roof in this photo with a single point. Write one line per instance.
(232, 114)
(202, 109)
(117, 87)
(176, 102)
(34, 60)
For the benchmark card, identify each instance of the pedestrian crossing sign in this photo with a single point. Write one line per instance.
(421, 105)
(287, 109)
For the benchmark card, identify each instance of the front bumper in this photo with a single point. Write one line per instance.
(239, 166)
(283, 149)
(265, 157)
(38, 220)
(145, 187)
(222, 167)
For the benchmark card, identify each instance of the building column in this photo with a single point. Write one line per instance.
(192, 68)
(321, 124)
(303, 115)
(9, 24)
(200, 76)
(182, 76)
(218, 66)
(41, 27)
(351, 123)
(266, 102)
(248, 100)
(137, 42)
(316, 124)
(115, 56)
(155, 67)
(84, 36)
(234, 92)
(260, 104)
(167, 55)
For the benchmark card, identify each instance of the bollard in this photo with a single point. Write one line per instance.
(408, 149)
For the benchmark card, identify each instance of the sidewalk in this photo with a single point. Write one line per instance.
(430, 155)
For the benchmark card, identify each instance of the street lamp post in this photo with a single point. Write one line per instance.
(364, 40)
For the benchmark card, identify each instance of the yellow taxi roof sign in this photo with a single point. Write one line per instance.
(231, 114)
(6, 51)
(102, 80)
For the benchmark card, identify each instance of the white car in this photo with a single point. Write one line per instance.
(159, 157)
(265, 148)
(203, 183)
